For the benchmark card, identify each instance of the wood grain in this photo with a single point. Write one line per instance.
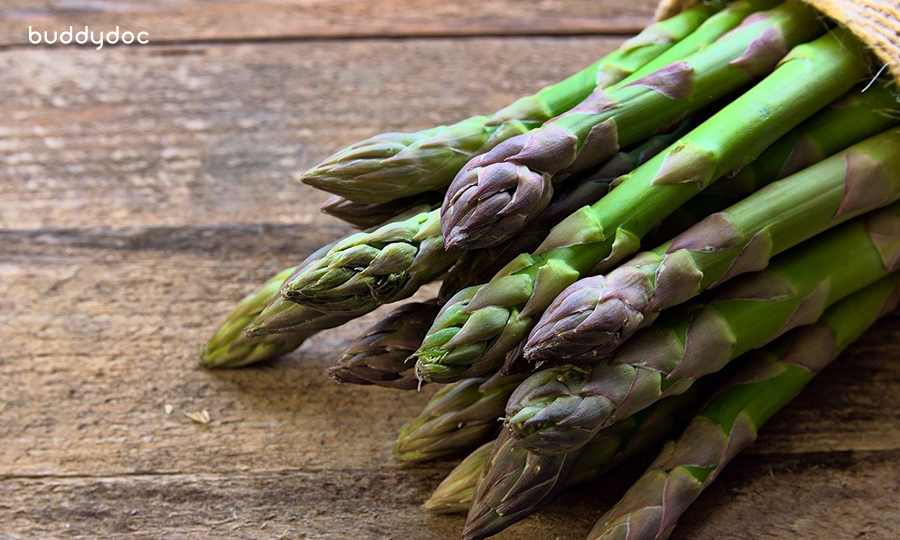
(835, 496)
(214, 134)
(169, 21)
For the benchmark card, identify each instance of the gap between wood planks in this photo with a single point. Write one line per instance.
(793, 460)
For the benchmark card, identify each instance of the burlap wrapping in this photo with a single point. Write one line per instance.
(876, 22)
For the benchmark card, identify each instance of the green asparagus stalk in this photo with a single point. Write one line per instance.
(278, 316)
(592, 317)
(378, 356)
(458, 418)
(865, 111)
(397, 165)
(366, 215)
(499, 192)
(650, 43)
(559, 409)
(368, 269)
(475, 336)
(717, 25)
(515, 483)
(729, 423)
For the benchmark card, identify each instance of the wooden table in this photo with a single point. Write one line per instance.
(143, 190)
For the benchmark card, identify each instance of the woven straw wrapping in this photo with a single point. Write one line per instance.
(876, 22)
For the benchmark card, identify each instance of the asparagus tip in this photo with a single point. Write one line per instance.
(256, 330)
(455, 240)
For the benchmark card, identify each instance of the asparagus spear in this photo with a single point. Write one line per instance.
(397, 165)
(514, 483)
(374, 267)
(278, 316)
(475, 266)
(366, 215)
(284, 318)
(650, 43)
(594, 315)
(228, 346)
(717, 25)
(863, 112)
(729, 423)
(248, 334)
(272, 325)
(454, 494)
(499, 192)
(458, 418)
(559, 409)
(379, 355)
(474, 337)
(231, 346)
(243, 351)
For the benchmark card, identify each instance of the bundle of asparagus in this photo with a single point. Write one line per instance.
(740, 143)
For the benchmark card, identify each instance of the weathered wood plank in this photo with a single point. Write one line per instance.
(175, 135)
(799, 498)
(195, 20)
